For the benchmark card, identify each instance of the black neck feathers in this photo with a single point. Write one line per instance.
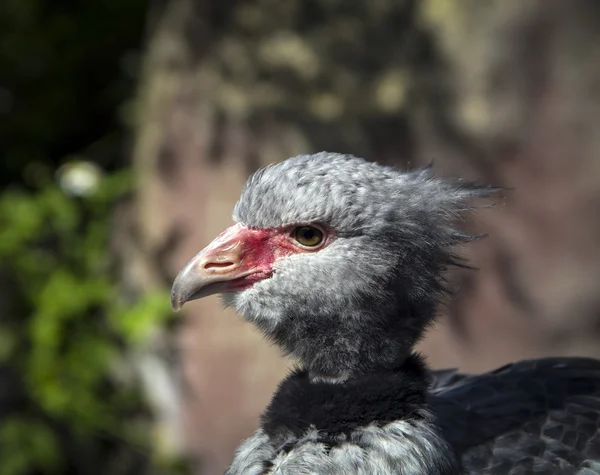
(337, 409)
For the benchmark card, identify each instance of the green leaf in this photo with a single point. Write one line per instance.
(28, 445)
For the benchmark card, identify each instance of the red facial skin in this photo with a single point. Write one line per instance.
(262, 247)
(238, 258)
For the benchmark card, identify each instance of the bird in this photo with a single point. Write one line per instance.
(342, 263)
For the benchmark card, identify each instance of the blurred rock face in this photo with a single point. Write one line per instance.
(525, 99)
(504, 92)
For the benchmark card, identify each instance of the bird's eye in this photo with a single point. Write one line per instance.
(308, 236)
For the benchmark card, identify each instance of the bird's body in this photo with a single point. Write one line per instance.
(340, 262)
(533, 417)
(374, 424)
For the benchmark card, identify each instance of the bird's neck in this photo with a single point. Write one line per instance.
(389, 395)
(342, 347)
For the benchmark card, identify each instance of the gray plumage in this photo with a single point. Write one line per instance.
(360, 402)
(399, 448)
(363, 301)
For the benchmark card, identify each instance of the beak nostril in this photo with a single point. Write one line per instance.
(212, 265)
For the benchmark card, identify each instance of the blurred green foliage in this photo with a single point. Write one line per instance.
(68, 329)
(70, 401)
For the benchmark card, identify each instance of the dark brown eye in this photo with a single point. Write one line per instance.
(308, 236)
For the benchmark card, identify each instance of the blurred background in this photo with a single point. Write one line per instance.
(127, 129)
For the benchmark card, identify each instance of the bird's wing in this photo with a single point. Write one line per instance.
(538, 416)
(444, 378)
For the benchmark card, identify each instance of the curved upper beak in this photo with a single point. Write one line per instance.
(214, 268)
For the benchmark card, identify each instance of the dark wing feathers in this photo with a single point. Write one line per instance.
(444, 378)
(538, 416)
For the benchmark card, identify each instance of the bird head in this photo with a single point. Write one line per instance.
(338, 260)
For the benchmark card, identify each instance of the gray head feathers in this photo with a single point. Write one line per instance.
(352, 195)
(364, 300)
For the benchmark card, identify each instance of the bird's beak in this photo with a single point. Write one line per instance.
(225, 265)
